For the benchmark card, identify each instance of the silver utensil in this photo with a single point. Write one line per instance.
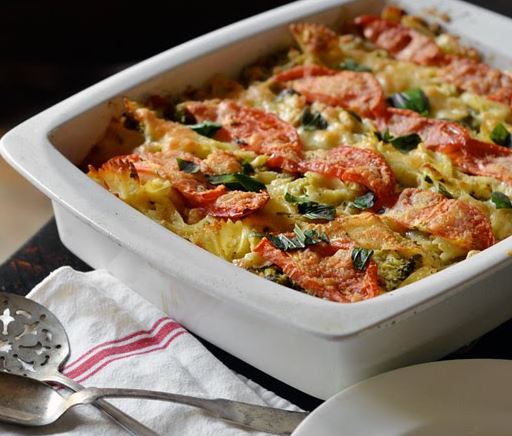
(29, 402)
(33, 343)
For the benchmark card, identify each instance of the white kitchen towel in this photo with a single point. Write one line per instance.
(118, 339)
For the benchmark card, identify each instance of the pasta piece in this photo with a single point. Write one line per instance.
(318, 42)
(163, 135)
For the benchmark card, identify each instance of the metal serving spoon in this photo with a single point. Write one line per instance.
(29, 402)
(33, 343)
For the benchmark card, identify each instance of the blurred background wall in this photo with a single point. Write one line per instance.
(52, 49)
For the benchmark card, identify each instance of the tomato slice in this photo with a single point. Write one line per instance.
(133, 165)
(358, 92)
(486, 159)
(330, 276)
(237, 204)
(253, 129)
(302, 71)
(479, 78)
(469, 155)
(352, 164)
(503, 96)
(402, 42)
(455, 220)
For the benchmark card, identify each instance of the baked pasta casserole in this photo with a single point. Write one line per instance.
(346, 167)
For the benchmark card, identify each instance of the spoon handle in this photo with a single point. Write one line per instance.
(267, 419)
(131, 425)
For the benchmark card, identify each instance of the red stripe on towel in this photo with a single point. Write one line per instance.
(116, 341)
(108, 362)
(138, 344)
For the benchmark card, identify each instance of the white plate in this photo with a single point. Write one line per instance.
(452, 398)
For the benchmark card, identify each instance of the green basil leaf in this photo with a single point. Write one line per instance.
(313, 120)
(442, 190)
(311, 209)
(316, 211)
(501, 136)
(366, 201)
(405, 143)
(301, 239)
(187, 166)
(285, 243)
(387, 137)
(360, 257)
(469, 122)
(293, 199)
(206, 128)
(355, 116)
(237, 181)
(352, 65)
(501, 200)
(413, 99)
(247, 168)
(314, 237)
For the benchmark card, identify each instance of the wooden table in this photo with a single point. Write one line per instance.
(44, 252)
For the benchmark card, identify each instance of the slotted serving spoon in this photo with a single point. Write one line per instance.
(29, 402)
(33, 343)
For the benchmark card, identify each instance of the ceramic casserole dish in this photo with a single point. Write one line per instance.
(314, 345)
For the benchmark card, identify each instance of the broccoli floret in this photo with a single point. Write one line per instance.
(276, 275)
(394, 269)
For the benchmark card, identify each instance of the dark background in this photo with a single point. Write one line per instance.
(52, 49)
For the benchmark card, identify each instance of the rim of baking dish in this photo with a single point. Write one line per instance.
(28, 148)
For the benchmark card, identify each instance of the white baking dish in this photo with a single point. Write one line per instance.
(314, 345)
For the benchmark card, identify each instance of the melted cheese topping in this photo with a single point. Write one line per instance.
(403, 250)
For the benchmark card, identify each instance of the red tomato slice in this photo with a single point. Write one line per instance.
(402, 42)
(302, 71)
(325, 276)
(486, 159)
(503, 96)
(358, 92)
(352, 164)
(237, 204)
(253, 129)
(469, 155)
(461, 223)
(479, 78)
(131, 164)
